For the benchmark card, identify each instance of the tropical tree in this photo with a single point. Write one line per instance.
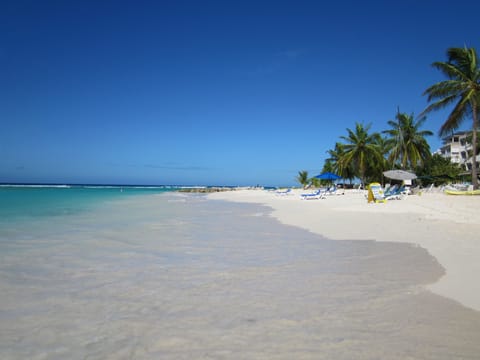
(361, 150)
(302, 178)
(334, 163)
(407, 145)
(438, 170)
(378, 167)
(315, 182)
(330, 165)
(462, 89)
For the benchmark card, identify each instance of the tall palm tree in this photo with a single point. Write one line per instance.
(463, 90)
(406, 143)
(361, 150)
(337, 166)
(384, 164)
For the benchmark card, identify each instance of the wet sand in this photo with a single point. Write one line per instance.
(448, 227)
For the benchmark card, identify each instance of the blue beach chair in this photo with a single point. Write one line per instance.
(397, 193)
(283, 192)
(319, 194)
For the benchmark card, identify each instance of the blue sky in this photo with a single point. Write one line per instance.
(209, 92)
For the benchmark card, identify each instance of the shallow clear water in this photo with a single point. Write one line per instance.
(177, 276)
(30, 202)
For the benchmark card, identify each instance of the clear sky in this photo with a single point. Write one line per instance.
(210, 92)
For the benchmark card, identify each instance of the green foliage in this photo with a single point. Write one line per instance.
(361, 151)
(438, 170)
(407, 145)
(329, 166)
(302, 178)
(315, 182)
(374, 173)
(335, 164)
(367, 155)
(461, 90)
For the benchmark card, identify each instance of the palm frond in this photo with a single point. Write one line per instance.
(420, 121)
(407, 143)
(439, 104)
(456, 117)
(445, 88)
(465, 59)
(449, 70)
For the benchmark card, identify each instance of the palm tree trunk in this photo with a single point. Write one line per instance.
(362, 178)
(474, 146)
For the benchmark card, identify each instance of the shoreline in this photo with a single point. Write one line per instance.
(446, 226)
(182, 276)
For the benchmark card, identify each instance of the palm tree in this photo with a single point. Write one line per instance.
(380, 166)
(361, 150)
(302, 178)
(335, 163)
(463, 90)
(407, 144)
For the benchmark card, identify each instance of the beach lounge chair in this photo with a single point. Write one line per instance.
(395, 193)
(319, 194)
(430, 188)
(283, 192)
(389, 187)
(358, 188)
(333, 190)
(390, 190)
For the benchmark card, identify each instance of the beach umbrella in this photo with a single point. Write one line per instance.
(328, 176)
(399, 175)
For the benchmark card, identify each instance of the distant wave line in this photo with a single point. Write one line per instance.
(68, 186)
(97, 186)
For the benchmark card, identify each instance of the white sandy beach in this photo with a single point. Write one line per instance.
(448, 227)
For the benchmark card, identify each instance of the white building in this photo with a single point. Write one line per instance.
(456, 148)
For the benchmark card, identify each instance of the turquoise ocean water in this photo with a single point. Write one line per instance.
(29, 202)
